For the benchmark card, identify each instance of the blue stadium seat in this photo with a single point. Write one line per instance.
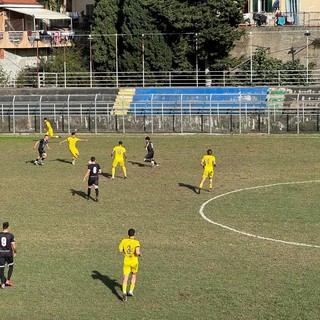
(204, 100)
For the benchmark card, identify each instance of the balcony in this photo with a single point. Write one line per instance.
(33, 39)
(300, 19)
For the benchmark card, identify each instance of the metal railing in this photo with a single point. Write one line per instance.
(301, 18)
(169, 79)
(301, 113)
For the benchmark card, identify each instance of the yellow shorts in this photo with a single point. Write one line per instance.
(74, 152)
(118, 161)
(129, 266)
(50, 133)
(208, 173)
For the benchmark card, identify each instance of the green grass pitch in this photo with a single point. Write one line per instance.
(68, 265)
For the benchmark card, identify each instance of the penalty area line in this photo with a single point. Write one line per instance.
(201, 211)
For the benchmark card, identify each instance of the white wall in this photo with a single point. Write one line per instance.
(80, 5)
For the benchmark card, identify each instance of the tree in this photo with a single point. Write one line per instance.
(266, 69)
(142, 40)
(213, 24)
(49, 4)
(58, 59)
(126, 28)
(69, 57)
(104, 30)
(4, 77)
(164, 34)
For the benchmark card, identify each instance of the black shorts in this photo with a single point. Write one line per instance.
(41, 152)
(149, 155)
(6, 260)
(93, 181)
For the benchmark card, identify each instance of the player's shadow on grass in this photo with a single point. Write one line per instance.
(139, 164)
(63, 160)
(78, 193)
(112, 284)
(106, 175)
(188, 186)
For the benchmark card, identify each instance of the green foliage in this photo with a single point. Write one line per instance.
(49, 4)
(142, 40)
(27, 77)
(106, 17)
(172, 31)
(266, 69)
(215, 24)
(4, 77)
(71, 56)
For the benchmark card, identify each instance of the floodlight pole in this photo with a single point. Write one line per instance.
(251, 58)
(37, 39)
(90, 58)
(307, 34)
(197, 62)
(117, 62)
(64, 64)
(142, 49)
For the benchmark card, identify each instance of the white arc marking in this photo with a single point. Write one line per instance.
(250, 234)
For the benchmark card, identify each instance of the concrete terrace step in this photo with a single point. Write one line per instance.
(123, 100)
(276, 97)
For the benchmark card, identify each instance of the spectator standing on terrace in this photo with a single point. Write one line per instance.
(276, 5)
(8, 251)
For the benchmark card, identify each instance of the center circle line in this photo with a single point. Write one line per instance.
(250, 234)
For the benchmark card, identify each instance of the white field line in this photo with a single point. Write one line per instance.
(250, 234)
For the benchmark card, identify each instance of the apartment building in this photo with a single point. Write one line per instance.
(27, 30)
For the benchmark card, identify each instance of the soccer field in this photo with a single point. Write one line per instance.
(253, 253)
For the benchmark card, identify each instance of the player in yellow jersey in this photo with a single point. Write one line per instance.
(72, 140)
(131, 249)
(119, 157)
(208, 162)
(49, 129)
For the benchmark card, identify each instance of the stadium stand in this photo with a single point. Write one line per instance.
(207, 100)
(123, 100)
(276, 97)
(62, 101)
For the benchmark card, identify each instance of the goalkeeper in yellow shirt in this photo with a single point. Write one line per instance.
(208, 162)
(119, 154)
(72, 140)
(131, 249)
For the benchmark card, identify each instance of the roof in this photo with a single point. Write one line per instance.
(40, 13)
(18, 2)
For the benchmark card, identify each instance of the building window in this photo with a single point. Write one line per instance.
(262, 5)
